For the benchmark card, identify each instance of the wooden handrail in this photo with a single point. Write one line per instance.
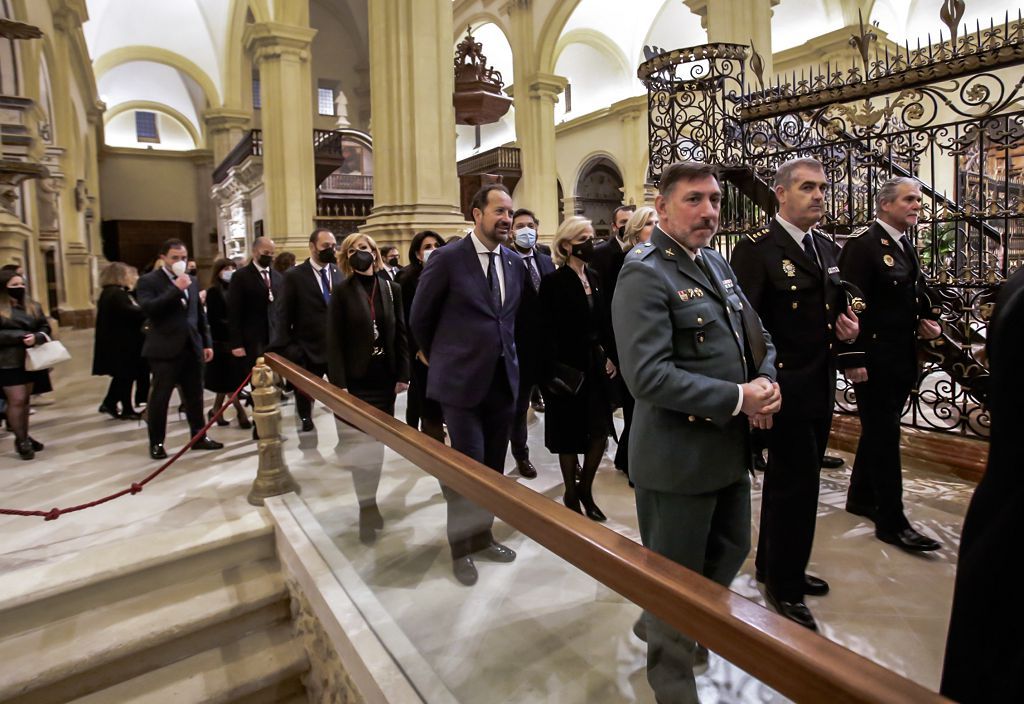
(800, 664)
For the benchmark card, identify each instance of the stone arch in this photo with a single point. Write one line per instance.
(478, 19)
(596, 40)
(126, 54)
(161, 108)
(237, 71)
(554, 23)
(598, 190)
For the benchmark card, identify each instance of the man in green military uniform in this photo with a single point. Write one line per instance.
(682, 327)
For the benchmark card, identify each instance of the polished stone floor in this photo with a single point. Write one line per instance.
(535, 630)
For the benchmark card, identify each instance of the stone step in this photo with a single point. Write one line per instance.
(263, 666)
(157, 626)
(101, 576)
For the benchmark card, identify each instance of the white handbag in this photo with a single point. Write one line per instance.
(45, 356)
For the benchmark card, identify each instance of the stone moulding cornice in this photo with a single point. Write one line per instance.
(226, 118)
(273, 39)
(546, 85)
(623, 109)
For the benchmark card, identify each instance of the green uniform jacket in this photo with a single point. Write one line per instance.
(681, 349)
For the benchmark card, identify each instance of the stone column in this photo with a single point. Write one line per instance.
(282, 54)
(225, 128)
(412, 79)
(739, 22)
(632, 113)
(534, 95)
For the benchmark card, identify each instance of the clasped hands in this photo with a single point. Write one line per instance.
(761, 400)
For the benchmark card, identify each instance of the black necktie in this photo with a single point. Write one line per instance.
(531, 264)
(326, 285)
(492, 282)
(703, 266)
(905, 249)
(809, 248)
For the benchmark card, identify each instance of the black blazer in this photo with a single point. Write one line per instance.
(177, 323)
(249, 308)
(299, 331)
(117, 350)
(529, 325)
(350, 330)
(798, 303)
(607, 262)
(13, 328)
(217, 312)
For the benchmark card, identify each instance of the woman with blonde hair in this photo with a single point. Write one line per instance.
(117, 348)
(22, 325)
(577, 331)
(367, 353)
(640, 226)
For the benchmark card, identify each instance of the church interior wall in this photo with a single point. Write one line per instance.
(149, 186)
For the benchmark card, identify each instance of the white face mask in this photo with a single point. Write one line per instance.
(426, 255)
(178, 268)
(226, 275)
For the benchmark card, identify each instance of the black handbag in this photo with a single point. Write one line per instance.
(565, 381)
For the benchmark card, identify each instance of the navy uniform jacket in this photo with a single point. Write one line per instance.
(893, 288)
(798, 303)
(175, 321)
(457, 327)
(682, 353)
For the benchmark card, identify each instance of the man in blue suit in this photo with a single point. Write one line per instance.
(463, 318)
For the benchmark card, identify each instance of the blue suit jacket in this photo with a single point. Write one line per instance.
(457, 327)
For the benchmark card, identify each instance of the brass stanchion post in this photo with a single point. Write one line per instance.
(272, 476)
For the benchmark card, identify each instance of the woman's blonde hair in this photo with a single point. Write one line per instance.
(636, 223)
(569, 230)
(114, 274)
(350, 242)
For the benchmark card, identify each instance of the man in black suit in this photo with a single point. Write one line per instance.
(538, 265)
(882, 364)
(790, 275)
(984, 650)
(177, 345)
(464, 319)
(300, 314)
(253, 290)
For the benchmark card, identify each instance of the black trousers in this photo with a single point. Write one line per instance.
(628, 402)
(877, 478)
(303, 403)
(421, 412)
(120, 392)
(520, 450)
(789, 502)
(481, 433)
(185, 372)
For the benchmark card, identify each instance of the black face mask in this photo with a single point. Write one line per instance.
(584, 251)
(265, 260)
(361, 260)
(393, 261)
(192, 272)
(17, 294)
(326, 256)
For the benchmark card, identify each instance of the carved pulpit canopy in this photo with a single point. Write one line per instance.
(478, 96)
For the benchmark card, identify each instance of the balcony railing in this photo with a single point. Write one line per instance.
(500, 160)
(347, 183)
(250, 145)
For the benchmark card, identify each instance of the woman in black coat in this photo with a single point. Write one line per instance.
(420, 412)
(225, 372)
(577, 332)
(367, 355)
(117, 350)
(22, 325)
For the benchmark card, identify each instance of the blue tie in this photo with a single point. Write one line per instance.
(492, 282)
(326, 285)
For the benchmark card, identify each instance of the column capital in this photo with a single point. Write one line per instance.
(546, 85)
(226, 118)
(68, 15)
(273, 39)
(513, 5)
(700, 8)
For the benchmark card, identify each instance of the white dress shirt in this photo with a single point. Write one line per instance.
(484, 255)
(893, 232)
(266, 278)
(798, 236)
(317, 266)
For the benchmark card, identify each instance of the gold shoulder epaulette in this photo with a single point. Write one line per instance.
(758, 236)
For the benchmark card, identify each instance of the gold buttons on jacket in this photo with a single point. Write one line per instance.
(780, 365)
(826, 307)
(692, 418)
(700, 320)
(830, 326)
(796, 305)
(792, 288)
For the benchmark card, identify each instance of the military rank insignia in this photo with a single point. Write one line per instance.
(889, 261)
(690, 293)
(788, 268)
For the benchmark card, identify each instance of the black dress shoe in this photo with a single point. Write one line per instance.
(759, 464)
(36, 445)
(496, 552)
(526, 469)
(537, 406)
(243, 421)
(813, 586)
(205, 443)
(307, 424)
(640, 629)
(795, 611)
(255, 432)
(464, 570)
(131, 415)
(908, 539)
(157, 451)
(592, 511)
(24, 448)
(832, 462)
(221, 420)
(860, 510)
(109, 410)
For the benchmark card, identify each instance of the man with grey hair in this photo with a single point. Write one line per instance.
(882, 363)
(789, 273)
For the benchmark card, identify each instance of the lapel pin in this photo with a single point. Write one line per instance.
(788, 268)
(683, 295)
(889, 261)
(669, 252)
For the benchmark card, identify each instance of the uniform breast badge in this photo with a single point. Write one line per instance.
(889, 261)
(669, 252)
(684, 295)
(788, 268)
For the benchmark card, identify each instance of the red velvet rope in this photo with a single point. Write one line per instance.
(135, 487)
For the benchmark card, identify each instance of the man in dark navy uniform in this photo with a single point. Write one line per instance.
(789, 273)
(882, 364)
